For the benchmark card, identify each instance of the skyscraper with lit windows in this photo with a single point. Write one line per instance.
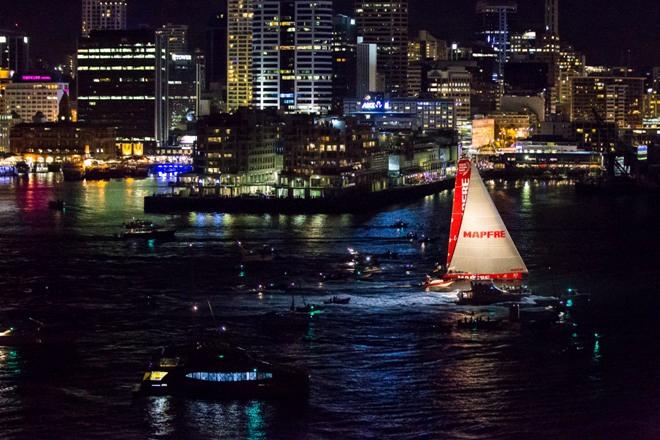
(103, 15)
(292, 55)
(239, 53)
(123, 82)
(385, 23)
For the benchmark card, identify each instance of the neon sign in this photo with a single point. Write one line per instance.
(36, 78)
(377, 105)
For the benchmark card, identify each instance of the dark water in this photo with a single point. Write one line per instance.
(379, 367)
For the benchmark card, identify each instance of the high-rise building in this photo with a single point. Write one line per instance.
(122, 82)
(177, 37)
(181, 76)
(366, 69)
(385, 23)
(496, 26)
(431, 48)
(452, 82)
(14, 51)
(103, 15)
(344, 48)
(552, 17)
(216, 49)
(239, 53)
(292, 55)
(616, 100)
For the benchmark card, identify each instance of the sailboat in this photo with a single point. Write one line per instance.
(480, 251)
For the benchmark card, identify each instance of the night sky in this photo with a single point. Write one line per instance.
(603, 29)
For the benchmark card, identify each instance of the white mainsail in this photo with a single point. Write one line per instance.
(483, 249)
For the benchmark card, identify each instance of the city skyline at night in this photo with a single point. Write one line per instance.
(608, 32)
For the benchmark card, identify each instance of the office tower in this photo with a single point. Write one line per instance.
(292, 56)
(344, 48)
(177, 37)
(385, 23)
(103, 15)
(616, 100)
(216, 49)
(122, 82)
(495, 27)
(181, 76)
(552, 17)
(34, 95)
(431, 48)
(14, 51)
(366, 69)
(239, 53)
(452, 82)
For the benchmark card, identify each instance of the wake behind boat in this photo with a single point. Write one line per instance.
(481, 253)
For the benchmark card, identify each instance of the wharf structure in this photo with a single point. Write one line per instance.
(266, 160)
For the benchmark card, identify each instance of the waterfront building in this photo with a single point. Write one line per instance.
(34, 95)
(122, 82)
(237, 153)
(292, 56)
(240, 15)
(608, 99)
(344, 59)
(409, 114)
(511, 127)
(103, 15)
(62, 141)
(385, 23)
(14, 51)
(330, 156)
(5, 124)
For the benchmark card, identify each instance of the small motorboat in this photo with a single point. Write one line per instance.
(146, 229)
(57, 205)
(338, 300)
(433, 284)
(263, 253)
(399, 224)
(217, 370)
(484, 293)
(23, 333)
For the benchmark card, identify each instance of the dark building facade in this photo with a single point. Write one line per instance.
(14, 51)
(344, 61)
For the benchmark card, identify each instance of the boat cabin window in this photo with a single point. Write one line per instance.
(169, 362)
(230, 377)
